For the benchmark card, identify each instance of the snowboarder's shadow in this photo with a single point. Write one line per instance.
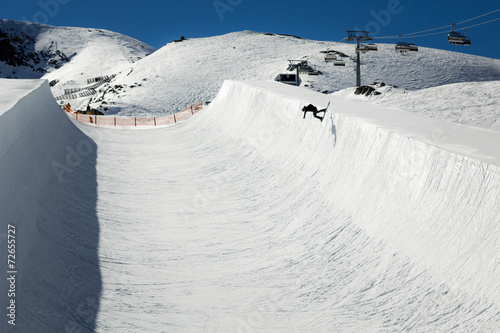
(334, 132)
(315, 111)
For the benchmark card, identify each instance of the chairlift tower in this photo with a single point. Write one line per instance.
(358, 36)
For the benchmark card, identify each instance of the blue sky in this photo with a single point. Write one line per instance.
(159, 22)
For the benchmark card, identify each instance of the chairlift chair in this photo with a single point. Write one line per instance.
(363, 48)
(413, 46)
(405, 47)
(372, 47)
(458, 38)
(402, 47)
(330, 57)
(339, 62)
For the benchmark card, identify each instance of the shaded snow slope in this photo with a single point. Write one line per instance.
(249, 217)
(468, 103)
(180, 74)
(55, 218)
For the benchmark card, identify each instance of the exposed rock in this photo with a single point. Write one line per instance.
(8, 53)
(364, 90)
(17, 49)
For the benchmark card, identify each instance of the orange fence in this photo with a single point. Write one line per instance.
(111, 121)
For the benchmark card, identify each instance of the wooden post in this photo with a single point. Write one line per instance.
(192, 110)
(135, 119)
(175, 120)
(115, 121)
(154, 118)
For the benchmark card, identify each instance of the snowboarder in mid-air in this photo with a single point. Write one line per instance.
(315, 111)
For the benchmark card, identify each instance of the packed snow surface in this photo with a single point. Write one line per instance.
(467, 103)
(248, 217)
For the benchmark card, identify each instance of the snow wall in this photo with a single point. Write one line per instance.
(49, 193)
(438, 208)
(381, 228)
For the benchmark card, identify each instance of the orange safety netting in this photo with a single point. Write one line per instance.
(110, 121)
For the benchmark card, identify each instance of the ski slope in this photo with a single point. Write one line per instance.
(247, 217)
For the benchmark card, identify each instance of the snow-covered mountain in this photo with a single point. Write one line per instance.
(129, 81)
(66, 56)
(179, 74)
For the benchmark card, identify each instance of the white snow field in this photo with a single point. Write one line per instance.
(467, 103)
(248, 218)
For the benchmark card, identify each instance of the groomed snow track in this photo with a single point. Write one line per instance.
(248, 218)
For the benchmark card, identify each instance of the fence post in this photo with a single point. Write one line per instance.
(115, 121)
(175, 120)
(135, 119)
(192, 110)
(154, 118)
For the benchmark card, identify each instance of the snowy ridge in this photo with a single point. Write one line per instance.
(56, 223)
(85, 47)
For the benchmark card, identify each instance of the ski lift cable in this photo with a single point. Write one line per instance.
(387, 37)
(412, 36)
(444, 32)
(497, 10)
(408, 35)
(475, 25)
(420, 32)
(432, 34)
